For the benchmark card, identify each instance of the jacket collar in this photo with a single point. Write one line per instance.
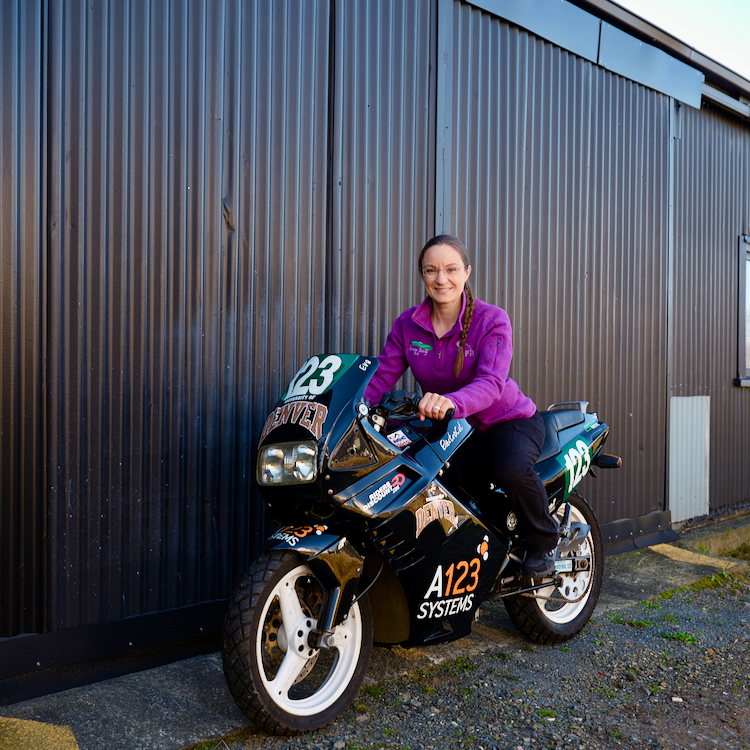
(421, 316)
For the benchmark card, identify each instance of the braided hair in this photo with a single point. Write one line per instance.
(456, 244)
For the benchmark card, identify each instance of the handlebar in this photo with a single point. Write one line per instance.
(406, 403)
(401, 402)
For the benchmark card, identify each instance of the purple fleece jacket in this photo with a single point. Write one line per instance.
(483, 392)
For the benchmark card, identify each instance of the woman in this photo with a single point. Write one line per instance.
(459, 349)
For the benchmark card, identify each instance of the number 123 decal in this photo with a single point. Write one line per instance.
(314, 377)
(577, 464)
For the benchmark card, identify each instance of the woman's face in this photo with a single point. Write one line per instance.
(444, 274)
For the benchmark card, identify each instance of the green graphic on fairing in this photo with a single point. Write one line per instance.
(575, 458)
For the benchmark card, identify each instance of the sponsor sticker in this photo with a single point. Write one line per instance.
(308, 414)
(292, 534)
(437, 508)
(391, 487)
(452, 590)
(399, 439)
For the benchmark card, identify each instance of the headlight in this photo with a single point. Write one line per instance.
(288, 463)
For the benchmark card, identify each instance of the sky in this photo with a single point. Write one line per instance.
(720, 29)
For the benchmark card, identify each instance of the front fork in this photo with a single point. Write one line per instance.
(337, 567)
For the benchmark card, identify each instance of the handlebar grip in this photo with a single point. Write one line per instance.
(449, 414)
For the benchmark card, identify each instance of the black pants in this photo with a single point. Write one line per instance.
(516, 445)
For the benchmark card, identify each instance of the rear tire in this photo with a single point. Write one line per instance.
(564, 611)
(278, 681)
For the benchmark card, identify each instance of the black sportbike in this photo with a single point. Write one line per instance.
(391, 532)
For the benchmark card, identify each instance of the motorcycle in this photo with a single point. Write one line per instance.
(390, 531)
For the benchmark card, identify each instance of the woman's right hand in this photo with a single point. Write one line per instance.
(434, 406)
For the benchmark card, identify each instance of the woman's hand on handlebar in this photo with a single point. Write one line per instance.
(434, 406)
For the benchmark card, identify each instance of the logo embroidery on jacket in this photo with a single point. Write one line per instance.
(417, 347)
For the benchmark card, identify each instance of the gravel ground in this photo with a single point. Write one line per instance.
(673, 672)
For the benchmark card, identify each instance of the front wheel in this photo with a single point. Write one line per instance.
(277, 679)
(555, 614)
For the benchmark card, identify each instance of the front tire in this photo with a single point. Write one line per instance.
(278, 681)
(556, 614)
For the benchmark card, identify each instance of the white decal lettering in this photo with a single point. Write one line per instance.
(437, 583)
(448, 440)
(392, 486)
(445, 607)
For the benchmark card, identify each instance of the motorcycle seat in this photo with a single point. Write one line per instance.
(554, 421)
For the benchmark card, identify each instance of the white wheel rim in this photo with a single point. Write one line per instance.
(297, 655)
(565, 603)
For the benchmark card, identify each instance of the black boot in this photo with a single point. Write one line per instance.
(539, 564)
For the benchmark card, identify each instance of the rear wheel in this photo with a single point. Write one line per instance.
(278, 680)
(556, 613)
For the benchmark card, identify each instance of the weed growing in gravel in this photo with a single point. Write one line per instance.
(741, 553)
(506, 675)
(373, 690)
(502, 655)
(651, 604)
(684, 637)
(633, 622)
(460, 663)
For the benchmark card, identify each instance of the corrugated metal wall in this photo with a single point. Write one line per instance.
(382, 199)
(187, 214)
(712, 210)
(22, 463)
(560, 188)
(196, 196)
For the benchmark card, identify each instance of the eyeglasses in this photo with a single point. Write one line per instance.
(431, 273)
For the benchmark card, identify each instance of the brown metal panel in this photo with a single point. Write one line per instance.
(187, 188)
(383, 156)
(23, 555)
(712, 210)
(560, 191)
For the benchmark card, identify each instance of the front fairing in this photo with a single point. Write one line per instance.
(324, 403)
(324, 387)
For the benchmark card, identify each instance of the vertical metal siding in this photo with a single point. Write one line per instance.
(560, 189)
(22, 480)
(689, 456)
(383, 155)
(187, 250)
(712, 211)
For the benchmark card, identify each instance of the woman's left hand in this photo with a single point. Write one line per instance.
(434, 406)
